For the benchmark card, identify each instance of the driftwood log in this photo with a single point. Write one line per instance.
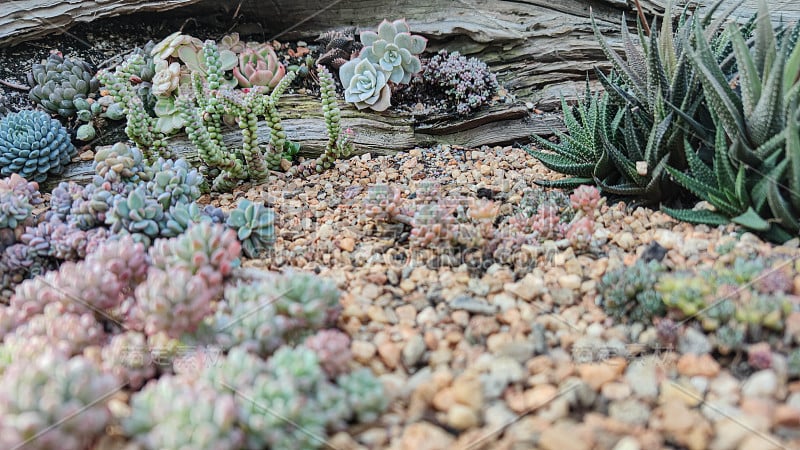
(22, 20)
(540, 48)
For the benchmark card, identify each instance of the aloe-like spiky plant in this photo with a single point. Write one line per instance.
(579, 150)
(623, 140)
(663, 105)
(759, 117)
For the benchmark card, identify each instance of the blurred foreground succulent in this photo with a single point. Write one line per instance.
(171, 412)
(33, 145)
(52, 402)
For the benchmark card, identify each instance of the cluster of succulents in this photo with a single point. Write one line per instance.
(389, 56)
(628, 293)
(720, 130)
(438, 221)
(744, 303)
(752, 295)
(466, 82)
(104, 319)
(126, 197)
(67, 87)
(33, 145)
(552, 215)
(52, 402)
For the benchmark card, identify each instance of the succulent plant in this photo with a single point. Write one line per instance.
(121, 163)
(333, 351)
(340, 143)
(170, 45)
(40, 397)
(433, 224)
(585, 198)
(62, 85)
(580, 233)
(58, 330)
(311, 300)
(207, 249)
(730, 338)
(137, 214)
(98, 284)
(237, 370)
(466, 82)
(33, 145)
(166, 78)
(173, 302)
(18, 197)
(383, 203)
(174, 182)
(128, 357)
(365, 85)
(339, 47)
(279, 414)
(759, 356)
(394, 49)
(232, 43)
(254, 226)
(169, 116)
(259, 67)
(249, 320)
(365, 394)
(175, 412)
(181, 216)
(628, 293)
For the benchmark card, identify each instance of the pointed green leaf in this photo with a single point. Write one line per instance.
(697, 216)
(751, 220)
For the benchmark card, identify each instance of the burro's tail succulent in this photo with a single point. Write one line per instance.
(33, 145)
(61, 85)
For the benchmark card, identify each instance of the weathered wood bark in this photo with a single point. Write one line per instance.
(382, 134)
(30, 19)
(540, 48)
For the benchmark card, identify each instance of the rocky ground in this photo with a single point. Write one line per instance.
(518, 354)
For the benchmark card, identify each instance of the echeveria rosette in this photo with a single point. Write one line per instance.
(394, 49)
(365, 85)
(254, 225)
(33, 145)
(259, 67)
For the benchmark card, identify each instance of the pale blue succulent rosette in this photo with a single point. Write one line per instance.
(394, 50)
(365, 85)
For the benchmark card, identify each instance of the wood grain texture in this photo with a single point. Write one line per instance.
(379, 134)
(30, 19)
(539, 48)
